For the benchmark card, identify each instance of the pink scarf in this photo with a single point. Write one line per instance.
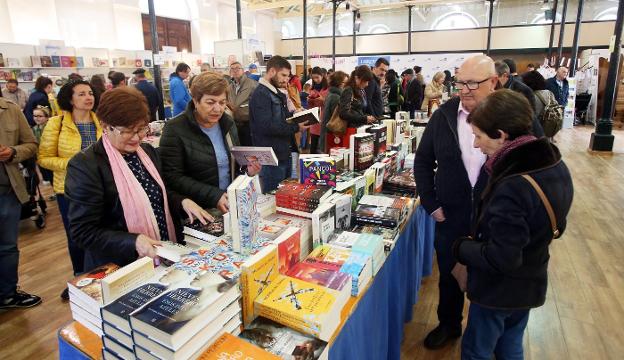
(505, 149)
(137, 208)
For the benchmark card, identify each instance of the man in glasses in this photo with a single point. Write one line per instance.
(449, 193)
(240, 91)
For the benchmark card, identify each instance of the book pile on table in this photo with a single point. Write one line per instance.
(366, 243)
(86, 299)
(382, 210)
(390, 236)
(401, 183)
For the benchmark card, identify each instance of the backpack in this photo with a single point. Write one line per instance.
(552, 116)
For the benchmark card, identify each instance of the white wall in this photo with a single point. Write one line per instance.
(116, 24)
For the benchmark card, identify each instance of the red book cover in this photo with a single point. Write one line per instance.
(65, 61)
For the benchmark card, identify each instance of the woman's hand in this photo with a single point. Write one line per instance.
(370, 119)
(222, 205)
(195, 211)
(146, 246)
(253, 168)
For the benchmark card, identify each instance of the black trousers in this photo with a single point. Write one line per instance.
(451, 303)
(244, 133)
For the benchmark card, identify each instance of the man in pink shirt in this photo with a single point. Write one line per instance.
(449, 178)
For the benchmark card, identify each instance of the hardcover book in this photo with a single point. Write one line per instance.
(127, 278)
(245, 155)
(56, 61)
(46, 61)
(284, 342)
(88, 288)
(228, 346)
(379, 131)
(256, 274)
(244, 216)
(361, 151)
(210, 231)
(180, 313)
(80, 61)
(118, 312)
(308, 117)
(319, 171)
(301, 305)
(66, 61)
(323, 223)
(343, 210)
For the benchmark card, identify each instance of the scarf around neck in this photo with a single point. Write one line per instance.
(505, 149)
(138, 212)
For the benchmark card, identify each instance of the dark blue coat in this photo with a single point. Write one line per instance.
(151, 94)
(374, 99)
(561, 93)
(441, 178)
(507, 257)
(268, 111)
(36, 98)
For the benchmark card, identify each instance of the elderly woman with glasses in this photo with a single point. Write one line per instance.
(195, 145)
(119, 207)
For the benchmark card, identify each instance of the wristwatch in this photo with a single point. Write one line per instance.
(13, 153)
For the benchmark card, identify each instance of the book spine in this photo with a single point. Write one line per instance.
(367, 220)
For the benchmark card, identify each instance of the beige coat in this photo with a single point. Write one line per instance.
(15, 133)
(432, 91)
(240, 100)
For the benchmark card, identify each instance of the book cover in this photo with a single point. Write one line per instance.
(256, 274)
(303, 224)
(80, 62)
(118, 312)
(323, 223)
(359, 266)
(283, 341)
(174, 309)
(289, 248)
(301, 305)
(88, 285)
(147, 62)
(248, 154)
(138, 63)
(319, 171)
(242, 196)
(329, 278)
(228, 346)
(209, 231)
(36, 61)
(126, 279)
(66, 61)
(343, 211)
(56, 61)
(332, 257)
(309, 117)
(379, 131)
(361, 151)
(122, 61)
(72, 61)
(219, 259)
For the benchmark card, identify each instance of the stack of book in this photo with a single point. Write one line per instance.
(283, 341)
(184, 320)
(381, 210)
(390, 236)
(301, 305)
(356, 264)
(244, 216)
(210, 231)
(409, 161)
(266, 204)
(301, 197)
(86, 298)
(367, 243)
(401, 183)
(380, 133)
(303, 224)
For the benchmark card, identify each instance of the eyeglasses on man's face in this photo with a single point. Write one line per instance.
(470, 84)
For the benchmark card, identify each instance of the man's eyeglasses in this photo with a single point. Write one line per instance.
(236, 68)
(129, 134)
(470, 85)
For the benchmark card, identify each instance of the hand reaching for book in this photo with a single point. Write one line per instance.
(146, 246)
(222, 205)
(253, 168)
(195, 211)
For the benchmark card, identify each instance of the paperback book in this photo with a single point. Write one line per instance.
(244, 216)
(361, 151)
(256, 274)
(245, 155)
(228, 346)
(284, 342)
(87, 288)
(379, 132)
(319, 171)
(219, 259)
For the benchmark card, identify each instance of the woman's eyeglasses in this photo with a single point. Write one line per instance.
(129, 134)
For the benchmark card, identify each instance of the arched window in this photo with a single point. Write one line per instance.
(455, 20)
(378, 29)
(541, 19)
(607, 14)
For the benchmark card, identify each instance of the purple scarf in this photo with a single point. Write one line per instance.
(505, 149)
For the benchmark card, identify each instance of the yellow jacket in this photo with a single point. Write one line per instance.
(60, 141)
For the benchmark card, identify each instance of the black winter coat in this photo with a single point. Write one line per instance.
(414, 94)
(351, 109)
(96, 218)
(374, 98)
(507, 257)
(189, 159)
(441, 178)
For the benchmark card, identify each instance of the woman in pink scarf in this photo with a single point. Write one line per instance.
(119, 207)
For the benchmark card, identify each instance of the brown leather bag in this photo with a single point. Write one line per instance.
(335, 124)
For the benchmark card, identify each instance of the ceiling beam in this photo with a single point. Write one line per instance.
(272, 4)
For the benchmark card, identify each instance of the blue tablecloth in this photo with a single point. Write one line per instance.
(375, 328)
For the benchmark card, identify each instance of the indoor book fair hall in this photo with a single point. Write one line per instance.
(311, 179)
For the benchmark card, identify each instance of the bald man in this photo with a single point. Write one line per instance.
(449, 193)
